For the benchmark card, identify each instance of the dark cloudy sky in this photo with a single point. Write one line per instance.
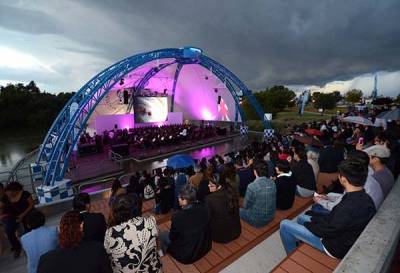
(321, 44)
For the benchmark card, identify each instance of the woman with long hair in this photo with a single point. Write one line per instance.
(116, 190)
(223, 207)
(208, 176)
(130, 241)
(74, 254)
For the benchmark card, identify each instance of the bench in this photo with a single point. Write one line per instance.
(222, 255)
(306, 259)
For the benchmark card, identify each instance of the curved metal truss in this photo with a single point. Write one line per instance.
(63, 135)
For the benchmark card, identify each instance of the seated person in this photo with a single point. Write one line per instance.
(325, 203)
(303, 173)
(74, 255)
(190, 236)
(285, 186)
(378, 155)
(94, 224)
(335, 233)
(223, 207)
(260, 200)
(39, 240)
(131, 240)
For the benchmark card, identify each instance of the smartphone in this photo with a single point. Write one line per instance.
(361, 141)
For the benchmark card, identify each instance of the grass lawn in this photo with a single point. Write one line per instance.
(287, 118)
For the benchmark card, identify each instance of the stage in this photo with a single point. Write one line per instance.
(100, 165)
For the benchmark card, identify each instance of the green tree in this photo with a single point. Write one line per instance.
(354, 95)
(338, 96)
(325, 101)
(272, 100)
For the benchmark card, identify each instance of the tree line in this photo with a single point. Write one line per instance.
(27, 107)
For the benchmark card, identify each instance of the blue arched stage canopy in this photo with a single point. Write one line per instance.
(71, 121)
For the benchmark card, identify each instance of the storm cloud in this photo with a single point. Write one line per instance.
(263, 42)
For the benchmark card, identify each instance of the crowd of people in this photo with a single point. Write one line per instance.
(149, 136)
(362, 161)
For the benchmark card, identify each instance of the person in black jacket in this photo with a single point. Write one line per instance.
(330, 157)
(189, 238)
(303, 173)
(74, 254)
(94, 224)
(285, 186)
(223, 207)
(336, 232)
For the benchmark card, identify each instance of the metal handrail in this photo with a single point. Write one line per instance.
(19, 163)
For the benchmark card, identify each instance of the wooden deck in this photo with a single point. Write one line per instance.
(222, 255)
(306, 259)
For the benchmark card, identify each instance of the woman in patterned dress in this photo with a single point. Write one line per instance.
(131, 239)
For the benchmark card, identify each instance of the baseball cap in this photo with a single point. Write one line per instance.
(378, 150)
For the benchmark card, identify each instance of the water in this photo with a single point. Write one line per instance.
(15, 145)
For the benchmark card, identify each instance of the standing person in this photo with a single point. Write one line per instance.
(260, 200)
(285, 186)
(130, 241)
(136, 186)
(180, 181)
(167, 192)
(223, 208)
(15, 205)
(116, 189)
(74, 255)
(303, 173)
(94, 224)
(378, 154)
(336, 232)
(197, 177)
(189, 238)
(39, 240)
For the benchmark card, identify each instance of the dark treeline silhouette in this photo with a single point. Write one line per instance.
(26, 106)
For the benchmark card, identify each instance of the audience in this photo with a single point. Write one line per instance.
(74, 255)
(15, 205)
(116, 190)
(180, 181)
(130, 241)
(336, 232)
(303, 173)
(377, 158)
(39, 240)
(223, 208)
(196, 178)
(260, 200)
(167, 192)
(94, 224)
(189, 238)
(285, 186)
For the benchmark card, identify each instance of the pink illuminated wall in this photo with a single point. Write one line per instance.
(196, 93)
(107, 122)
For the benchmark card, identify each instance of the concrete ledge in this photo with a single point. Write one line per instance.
(374, 249)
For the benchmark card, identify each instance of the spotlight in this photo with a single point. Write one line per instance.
(121, 81)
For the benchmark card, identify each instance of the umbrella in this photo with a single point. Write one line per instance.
(391, 115)
(308, 140)
(180, 161)
(358, 120)
(313, 132)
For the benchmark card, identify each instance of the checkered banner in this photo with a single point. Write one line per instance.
(244, 129)
(61, 190)
(268, 133)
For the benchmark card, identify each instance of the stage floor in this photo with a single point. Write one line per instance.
(100, 165)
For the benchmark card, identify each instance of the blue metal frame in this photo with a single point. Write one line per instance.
(64, 133)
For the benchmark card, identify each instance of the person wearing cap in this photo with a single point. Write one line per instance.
(378, 154)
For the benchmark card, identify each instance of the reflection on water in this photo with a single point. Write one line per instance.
(16, 146)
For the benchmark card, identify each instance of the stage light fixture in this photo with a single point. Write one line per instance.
(121, 81)
(216, 90)
(206, 78)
